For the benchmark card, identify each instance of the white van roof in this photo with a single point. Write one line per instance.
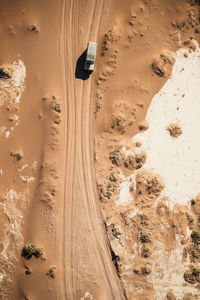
(91, 51)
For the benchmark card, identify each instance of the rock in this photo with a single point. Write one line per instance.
(54, 105)
(162, 65)
(123, 116)
(149, 184)
(31, 250)
(33, 28)
(51, 273)
(113, 177)
(146, 270)
(28, 271)
(144, 237)
(17, 155)
(146, 252)
(192, 275)
(106, 190)
(158, 68)
(4, 73)
(143, 125)
(135, 161)
(132, 20)
(175, 130)
(170, 296)
(110, 37)
(196, 204)
(116, 156)
(195, 235)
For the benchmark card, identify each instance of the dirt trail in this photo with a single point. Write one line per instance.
(86, 259)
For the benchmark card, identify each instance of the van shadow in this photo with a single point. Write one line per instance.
(80, 73)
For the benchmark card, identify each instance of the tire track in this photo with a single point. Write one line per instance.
(85, 257)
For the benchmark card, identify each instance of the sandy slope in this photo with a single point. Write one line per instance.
(28, 206)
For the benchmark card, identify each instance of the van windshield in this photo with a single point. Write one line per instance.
(90, 62)
(90, 57)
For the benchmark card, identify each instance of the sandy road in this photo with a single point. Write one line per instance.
(85, 256)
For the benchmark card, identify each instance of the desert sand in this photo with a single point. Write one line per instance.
(99, 173)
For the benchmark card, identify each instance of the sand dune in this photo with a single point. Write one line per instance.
(99, 172)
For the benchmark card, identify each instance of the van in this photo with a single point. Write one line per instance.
(90, 56)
